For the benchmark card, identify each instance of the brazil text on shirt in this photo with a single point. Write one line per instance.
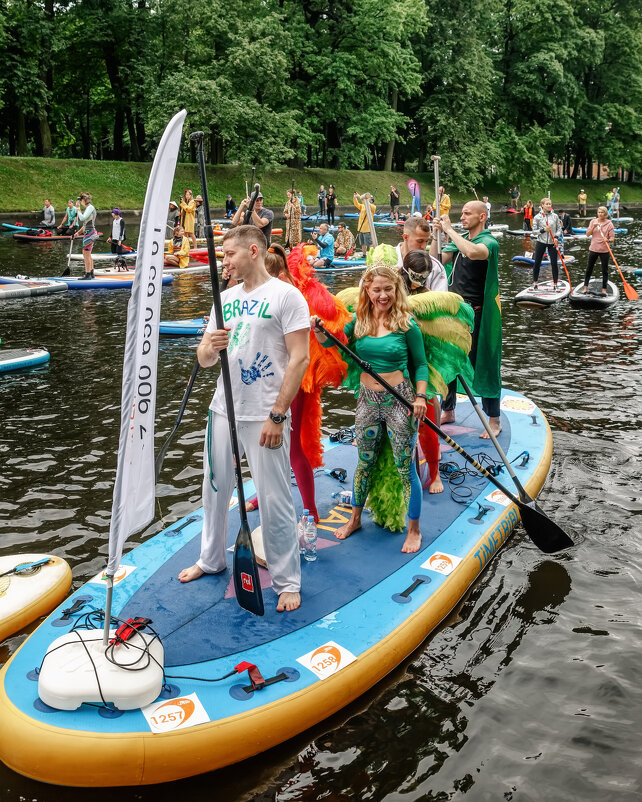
(239, 308)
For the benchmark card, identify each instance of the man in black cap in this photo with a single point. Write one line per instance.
(261, 218)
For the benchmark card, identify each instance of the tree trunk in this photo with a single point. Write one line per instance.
(21, 134)
(390, 149)
(119, 127)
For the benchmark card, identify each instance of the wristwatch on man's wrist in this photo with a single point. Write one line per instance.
(277, 418)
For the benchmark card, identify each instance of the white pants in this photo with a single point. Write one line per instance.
(270, 469)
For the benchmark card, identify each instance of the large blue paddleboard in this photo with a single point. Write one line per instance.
(527, 259)
(118, 282)
(183, 328)
(583, 230)
(365, 607)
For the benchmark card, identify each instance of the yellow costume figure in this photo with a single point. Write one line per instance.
(183, 253)
(189, 216)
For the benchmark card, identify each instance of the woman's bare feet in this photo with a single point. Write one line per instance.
(347, 529)
(412, 543)
(495, 427)
(447, 416)
(188, 574)
(436, 486)
(288, 602)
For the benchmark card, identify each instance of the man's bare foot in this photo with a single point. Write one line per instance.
(412, 543)
(288, 602)
(495, 427)
(436, 486)
(585, 290)
(447, 416)
(193, 572)
(347, 529)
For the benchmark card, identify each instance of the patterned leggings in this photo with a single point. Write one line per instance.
(376, 409)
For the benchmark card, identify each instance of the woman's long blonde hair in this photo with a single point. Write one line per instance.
(397, 318)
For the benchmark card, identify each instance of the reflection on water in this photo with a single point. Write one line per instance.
(528, 691)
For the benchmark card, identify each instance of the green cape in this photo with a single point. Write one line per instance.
(488, 381)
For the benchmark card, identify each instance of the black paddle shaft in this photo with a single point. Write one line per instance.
(197, 137)
(546, 534)
(246, 575)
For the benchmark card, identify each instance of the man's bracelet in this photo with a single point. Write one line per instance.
(421, 395)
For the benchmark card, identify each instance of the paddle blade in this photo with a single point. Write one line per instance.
(247, 583)
(65, 272)
(545, 534)
(630, 292)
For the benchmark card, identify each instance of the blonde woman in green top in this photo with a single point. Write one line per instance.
(387, 336)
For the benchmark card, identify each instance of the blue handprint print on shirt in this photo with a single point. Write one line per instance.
(257, 370)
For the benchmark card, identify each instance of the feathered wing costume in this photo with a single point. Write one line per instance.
(446, 322)
(326, 368)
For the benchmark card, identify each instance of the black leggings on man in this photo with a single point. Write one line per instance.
(540, 249)
(489, 405)
(592, 259)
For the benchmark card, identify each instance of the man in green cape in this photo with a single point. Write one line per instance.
(471, 264)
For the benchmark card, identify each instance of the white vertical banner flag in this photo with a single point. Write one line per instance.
(134, 490)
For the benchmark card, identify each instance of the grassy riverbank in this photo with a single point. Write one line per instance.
(26, 182)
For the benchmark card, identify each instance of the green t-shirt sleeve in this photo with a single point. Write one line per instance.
(415, 342)
(449, 247)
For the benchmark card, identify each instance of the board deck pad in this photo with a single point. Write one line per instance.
(201, 620)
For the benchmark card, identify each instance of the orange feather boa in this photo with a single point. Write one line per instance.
(326, 368)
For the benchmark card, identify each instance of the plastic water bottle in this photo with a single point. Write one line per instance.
(310, 540)
(300, 529)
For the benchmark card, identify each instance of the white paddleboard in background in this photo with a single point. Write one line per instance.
(544, 295)
(27, 594)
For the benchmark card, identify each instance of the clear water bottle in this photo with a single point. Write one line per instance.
(300, 529)
(310, 540)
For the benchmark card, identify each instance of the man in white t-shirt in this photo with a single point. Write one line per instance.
(416, 237)
(267, 337)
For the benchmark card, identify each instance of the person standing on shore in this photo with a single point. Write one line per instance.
(87, 219)
(474, 257)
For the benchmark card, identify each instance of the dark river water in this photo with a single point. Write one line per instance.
(529, 691)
